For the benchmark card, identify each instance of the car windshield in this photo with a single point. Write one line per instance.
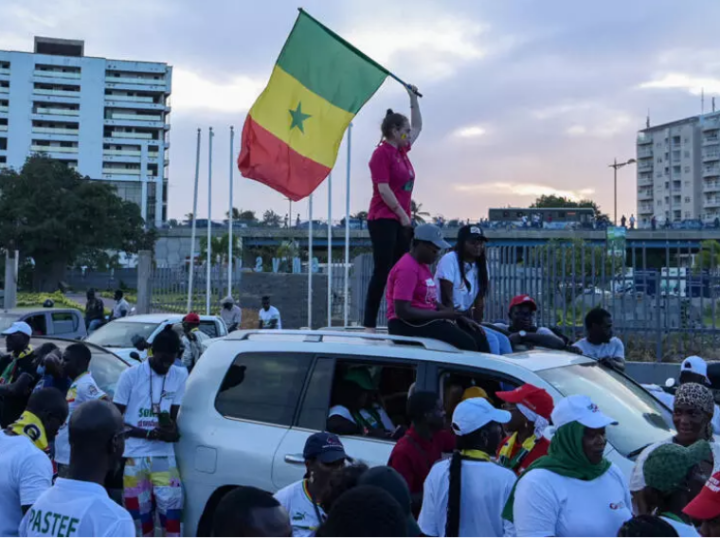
(119, 334)
(6, 320)
(642, 420)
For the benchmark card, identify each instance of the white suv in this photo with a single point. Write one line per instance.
(254, 398)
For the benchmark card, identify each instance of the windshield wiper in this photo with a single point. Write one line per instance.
(636, 453)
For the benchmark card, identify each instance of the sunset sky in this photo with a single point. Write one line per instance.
(521, 97)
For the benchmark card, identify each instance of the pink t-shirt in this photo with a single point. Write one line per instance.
(413, 282)
(390, 165)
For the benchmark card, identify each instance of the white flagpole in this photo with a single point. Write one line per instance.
(310, 260)
(230, 214)
(329, 253)
(208, 261)
(347, 229)
(194, 220)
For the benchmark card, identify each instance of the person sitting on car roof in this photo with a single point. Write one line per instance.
(600, 343)
(355, 413)
(522, 327)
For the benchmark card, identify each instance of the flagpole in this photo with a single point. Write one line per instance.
(310, 261)
(347, 229)
(230, 214)
(329, 253)
(208, 261)
(194, 220)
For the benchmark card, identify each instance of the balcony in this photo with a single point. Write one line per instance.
(644, 152)
(121, 171)
(54, 149)
(645, 166)
(642, 182)
(130, 135)
(3, 127)
(136, 80)
(645, 209)
(150, 105)
(711, 171)
(710, 139)
(644, 138)
(57, 112)
(56, 93)
(4, 89)
(712, 202)
(137, 117)
(55, 131)
(4, 71)
(711, 155)
(712, 186)
(4, 109)
(644, 195)
(47, 74)
(711, 124)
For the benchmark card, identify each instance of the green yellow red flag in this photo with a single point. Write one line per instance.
(292, 133)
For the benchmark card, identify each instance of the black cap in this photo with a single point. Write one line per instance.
(392, 482)
(324, 446)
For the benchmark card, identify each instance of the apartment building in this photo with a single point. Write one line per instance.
(109, 119)
(678, 170)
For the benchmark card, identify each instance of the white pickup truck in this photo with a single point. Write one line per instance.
(255, 396)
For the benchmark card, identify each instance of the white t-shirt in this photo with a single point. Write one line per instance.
(485, 488)
(669, 401)
(547, 504)
(341, 410)
(83, 389)
(231, 316)
(271, 314)
(120, 306)
(25, 474)
(612, 349)
(133, 391)
(681, 528)
(448, 269)
(75, 508)
(543, 331)
(637, 478)
(303, 518)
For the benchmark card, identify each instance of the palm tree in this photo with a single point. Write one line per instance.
(417, 214)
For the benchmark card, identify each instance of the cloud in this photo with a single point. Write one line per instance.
(554, 111)
(191, 91)
(683, 81)
(523, 190)
(576, 130)
(470, 132)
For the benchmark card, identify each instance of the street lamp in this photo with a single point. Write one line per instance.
(615, 165)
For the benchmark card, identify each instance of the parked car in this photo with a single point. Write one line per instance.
(63, 323)
(255, 396)
(105, 366)
(119, 335)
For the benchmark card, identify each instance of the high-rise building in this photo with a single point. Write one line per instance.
(109, 119)
(678, 170)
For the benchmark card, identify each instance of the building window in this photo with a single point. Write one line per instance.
(687, 215)
(687, 199)
(687, 154)
(659, 160)
(687, 168)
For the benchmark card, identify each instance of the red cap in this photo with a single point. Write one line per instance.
(192, 318)
(534, 398)
(521, 299)
(706, 505)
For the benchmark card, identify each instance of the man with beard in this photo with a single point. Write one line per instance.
(522, 329)
(600, 343)
(149, 396)
(79, 505)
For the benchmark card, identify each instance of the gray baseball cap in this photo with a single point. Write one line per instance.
(430, 233)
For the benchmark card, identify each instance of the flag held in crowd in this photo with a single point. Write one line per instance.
(293, 131)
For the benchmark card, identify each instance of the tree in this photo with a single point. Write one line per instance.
(708, 257)
(219, 245)
(416, 213)
(53, 215)
(172, 223)
(242, 215)
(555, 201)
(189, 218)
(271, 219)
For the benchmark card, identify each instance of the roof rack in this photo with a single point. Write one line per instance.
(318, 336)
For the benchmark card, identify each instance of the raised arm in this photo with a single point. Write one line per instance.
(415, 115)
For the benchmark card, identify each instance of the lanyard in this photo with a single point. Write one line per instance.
(155, 408)
(312, 500)
(475, 455)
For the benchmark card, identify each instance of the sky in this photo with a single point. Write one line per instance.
(521, 97)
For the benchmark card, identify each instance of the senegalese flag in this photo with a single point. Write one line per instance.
(292, 133)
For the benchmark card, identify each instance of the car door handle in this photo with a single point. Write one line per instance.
(295, 459)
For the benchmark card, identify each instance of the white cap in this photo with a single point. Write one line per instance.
(580, 409)
(695, 364)
(18, 327)
(472, 414)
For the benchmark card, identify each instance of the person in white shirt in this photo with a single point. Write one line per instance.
(26, 471)
(79, 504)
(194, 341)
(692, 413)
(522, 330)
(269, 316)
(122, 308)
(76, 361)
(693, 369)
(463, 281)
(230, 314)
(465, 495)
(324, 454)
(673, 477)
(574, 490)
(600, 343)
(149, 396)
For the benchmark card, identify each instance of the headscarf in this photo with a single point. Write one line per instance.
(565, 457)
(667, 467)
(474, 392)
(696, 396)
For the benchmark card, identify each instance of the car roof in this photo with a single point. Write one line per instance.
(158, 318)
(382, 345)
(24, 311)
(63, 343)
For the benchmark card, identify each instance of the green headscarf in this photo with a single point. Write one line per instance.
(565, 457)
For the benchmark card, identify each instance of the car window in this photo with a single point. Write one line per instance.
(6, 321)
(120, 333)
(38, 323)
(642, 420)
(106, 369)
(64, 322)
(209, 328)
(264, 387)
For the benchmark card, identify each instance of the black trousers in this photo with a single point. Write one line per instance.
(390, 241)
(465, 338)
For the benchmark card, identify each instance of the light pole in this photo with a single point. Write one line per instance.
(615, 165)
